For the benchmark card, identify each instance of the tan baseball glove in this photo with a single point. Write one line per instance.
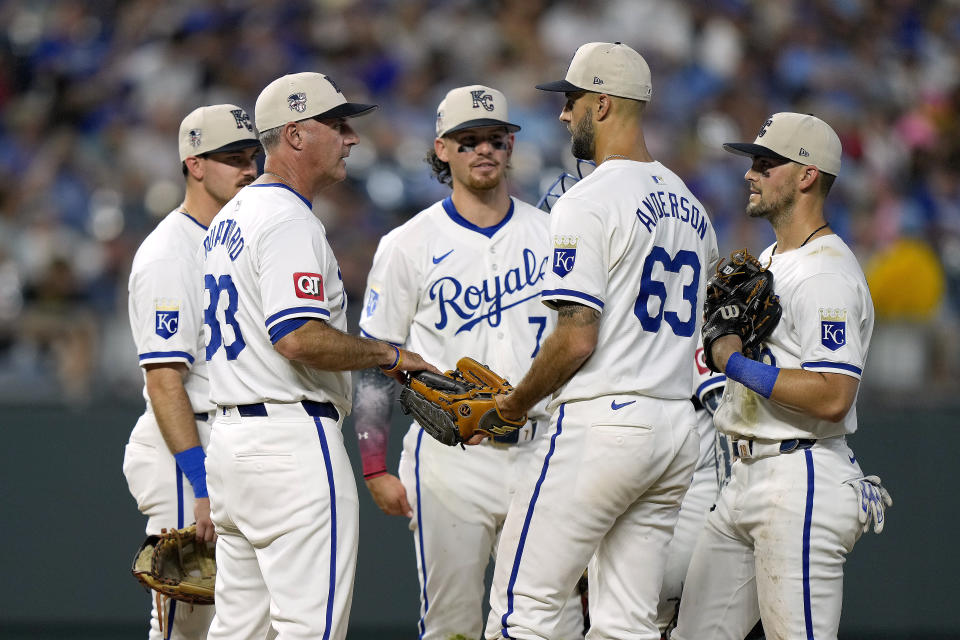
(177, 565)
(454, 406)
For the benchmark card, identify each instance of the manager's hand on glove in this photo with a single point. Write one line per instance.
(456, 406)
(740, 301)
(873, 499)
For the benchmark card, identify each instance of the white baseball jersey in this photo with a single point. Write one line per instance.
(826, 326)
(609, 238)
(266, 262)
(165, 303)
(445, 288)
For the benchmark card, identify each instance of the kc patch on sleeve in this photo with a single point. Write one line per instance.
(308, 285)
(564, 254)
(833, 328)
(167, 318)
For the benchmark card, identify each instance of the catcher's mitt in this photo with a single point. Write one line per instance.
(177, 565)
(454, 406)
(740, 301)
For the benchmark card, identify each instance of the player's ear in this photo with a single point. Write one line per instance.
(808, 177)
(291, 134)
(603, 106)
(441, 150)
(194, 167)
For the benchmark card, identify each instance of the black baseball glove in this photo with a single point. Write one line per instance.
(740, 301)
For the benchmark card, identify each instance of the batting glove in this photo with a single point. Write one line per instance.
(873, 500)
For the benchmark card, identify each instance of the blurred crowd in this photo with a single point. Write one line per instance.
(92, 94)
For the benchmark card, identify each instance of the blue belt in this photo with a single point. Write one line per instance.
(313, 409)
(202, 417)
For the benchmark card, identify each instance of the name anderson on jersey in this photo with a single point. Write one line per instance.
(226, 233)
(656, 204)
(465, 302)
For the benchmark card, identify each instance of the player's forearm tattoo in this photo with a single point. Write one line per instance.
(577, 314)
(372, 408)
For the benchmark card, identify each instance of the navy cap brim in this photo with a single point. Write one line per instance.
(752, 150)
(560, 85)
(482, 122)
(348, 110)
(234, 146)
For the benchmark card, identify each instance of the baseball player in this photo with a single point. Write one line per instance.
(462, 278)
(164, 459)
(282, 493)
(631, 249)
(709, 476)
(775, 545)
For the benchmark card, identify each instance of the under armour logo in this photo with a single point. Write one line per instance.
(482, 99)
(242, 119)
(804, 153)
(597, 80)
(763, 129)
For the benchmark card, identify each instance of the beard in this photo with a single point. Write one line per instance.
(582, 139)
(773, 206)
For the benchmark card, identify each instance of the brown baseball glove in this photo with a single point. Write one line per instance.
(454, 406)
(177, 565)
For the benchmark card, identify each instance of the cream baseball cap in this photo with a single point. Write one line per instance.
(797, 137)
(220, 127)
(299, 96)
(472, 106)
(603, 67)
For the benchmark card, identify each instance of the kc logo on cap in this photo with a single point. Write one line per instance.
(216, 128)
(473, 106)
(797, 137)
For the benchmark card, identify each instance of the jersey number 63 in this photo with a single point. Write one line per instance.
(651, 288)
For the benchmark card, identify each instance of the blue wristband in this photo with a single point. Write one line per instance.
(190, 462)
(754, 375)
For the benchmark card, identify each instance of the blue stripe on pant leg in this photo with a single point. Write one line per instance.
(526, 524)
(807, 517)
(423, 564)
(180, 519)
(333, 526)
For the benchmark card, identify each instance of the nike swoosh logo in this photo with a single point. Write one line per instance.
(617, 407)
(853, 459)
(437, 260)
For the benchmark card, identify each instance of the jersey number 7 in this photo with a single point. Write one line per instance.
(216, 287)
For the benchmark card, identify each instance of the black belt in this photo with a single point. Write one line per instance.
(313, 409)
(202, 417)
(786, 446)
(697, 405)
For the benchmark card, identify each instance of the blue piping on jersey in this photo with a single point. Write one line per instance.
(194, 219)
(451, 210)
(712, 382)
(423, 563)
(293, 310)
(372, 337)
(283, 186)
(170, 616)
(526, 523)
(333, 527)
(807, 517)
(281, 329)
(152, 355)
(180, 518)
(597, 302)
(832, 365)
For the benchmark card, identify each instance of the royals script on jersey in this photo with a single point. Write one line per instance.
(826, 326)
(165, 301)
(632, 242)
(445, 288)
(266, 262)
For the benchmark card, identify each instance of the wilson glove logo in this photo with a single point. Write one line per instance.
(308, 285)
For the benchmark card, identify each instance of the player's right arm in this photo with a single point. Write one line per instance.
(372, 408)
(174, 415)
